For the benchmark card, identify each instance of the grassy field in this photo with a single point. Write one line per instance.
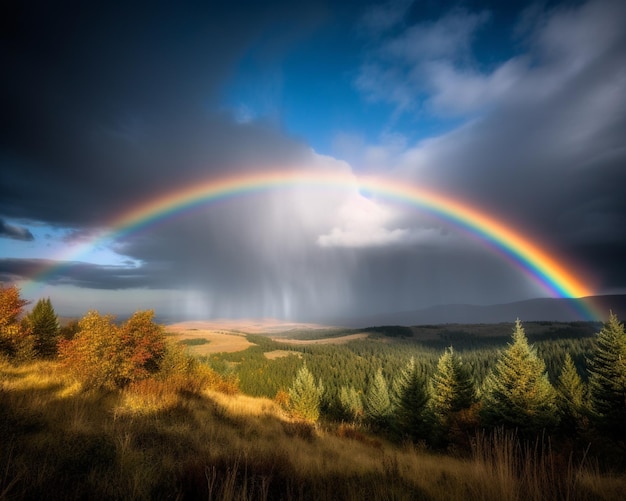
(202, 341)
(151, 442)
(326, 340)
(228, 336)
(274, 354)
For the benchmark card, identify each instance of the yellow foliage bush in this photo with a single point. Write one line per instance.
(106, 355)
(15, 337)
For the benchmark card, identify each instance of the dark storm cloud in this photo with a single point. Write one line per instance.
(15, 232)
(107, 105)
(110, 106)
(543, 146)
(107, 102)
(85, 275)
(13, 269)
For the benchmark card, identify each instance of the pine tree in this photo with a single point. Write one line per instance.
(44, 325)
(378, 402)
(411, 399)
(607, 378)
(351, 402)
(452, 387)
(517, 392)
(570, 396)
(305, 397)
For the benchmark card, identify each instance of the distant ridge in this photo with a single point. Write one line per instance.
(531, 310)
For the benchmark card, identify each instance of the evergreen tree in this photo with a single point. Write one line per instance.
(44, 325)
(452, 387)
(411, 398)
(351, 402)
(570, 395)
(607, 378)
(305, 397)
(517, 393)
(378, 402)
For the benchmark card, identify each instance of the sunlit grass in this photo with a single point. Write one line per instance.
(154, 440)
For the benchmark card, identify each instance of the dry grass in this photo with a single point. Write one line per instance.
(273, 355)
(327, 340)
(249, 326)
(217, 341)
(150, 442)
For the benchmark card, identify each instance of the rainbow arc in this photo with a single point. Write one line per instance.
(544, 267)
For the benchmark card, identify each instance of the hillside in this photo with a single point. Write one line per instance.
(62, 443)
(543, 309)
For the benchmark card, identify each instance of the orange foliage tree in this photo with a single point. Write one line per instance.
(104, 354)
(15, 338)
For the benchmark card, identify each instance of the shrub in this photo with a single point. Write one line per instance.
(282, 399)
(106, 355)
(191, 375)
(15, 335)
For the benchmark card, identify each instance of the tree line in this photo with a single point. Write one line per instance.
(100, 353)
(516, 394)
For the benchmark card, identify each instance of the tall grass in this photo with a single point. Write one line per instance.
(154, 441)
(523, 469)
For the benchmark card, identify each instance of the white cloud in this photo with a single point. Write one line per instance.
(430, 67)
(543, 131)
(362, 223)
(464, 91)
(572, 37)
(406, 67)
(449, 37)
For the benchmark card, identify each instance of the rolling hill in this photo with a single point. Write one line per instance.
(544, 309)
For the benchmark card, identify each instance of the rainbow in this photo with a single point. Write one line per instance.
(543, 267)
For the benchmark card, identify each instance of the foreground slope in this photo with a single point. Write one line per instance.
(60, 442)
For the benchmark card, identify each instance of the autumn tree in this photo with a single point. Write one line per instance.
(104, 354)
(570, 396)
(69, 330)
(411, 398)
(607, 378)
(452, 389)
(517, 393)
(305, 396)
(15, 337)
(44, 326)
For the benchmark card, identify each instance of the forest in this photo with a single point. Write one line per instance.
(532, 410)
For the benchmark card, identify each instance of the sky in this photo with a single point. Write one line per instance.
(517, 109)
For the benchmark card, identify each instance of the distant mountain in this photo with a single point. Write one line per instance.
(544, 309)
